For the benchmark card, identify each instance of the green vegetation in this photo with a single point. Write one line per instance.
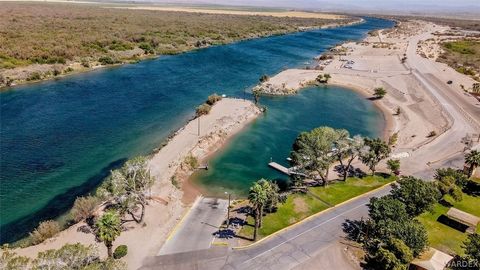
(394, 166)
(212, 99)
(74, 32)
(472, 160)
(312, 151)
(120, 252)
(192, 162)
(391, 237)
(126, 189)
(83, 208)
(264, 78)
(298, 206)
(377, 150)
(463, 56)
(109, 228)
(35, 76)
(352, 187)
(444, 237)
(45, 230)
(70, 256)
(462, 46)
(379, 92)
(323, 78)
(203, 109)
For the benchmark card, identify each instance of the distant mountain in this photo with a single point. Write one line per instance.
(463, 8)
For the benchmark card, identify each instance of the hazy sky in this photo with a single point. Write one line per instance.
(421, 6)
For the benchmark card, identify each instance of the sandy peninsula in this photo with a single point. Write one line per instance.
(166, 206)
(436, 118)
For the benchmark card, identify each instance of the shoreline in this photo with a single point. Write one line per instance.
(389, 121)
(146, 57)
(166, 205)
(413, 107)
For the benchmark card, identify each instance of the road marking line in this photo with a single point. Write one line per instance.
(333, 208)
(300, 234)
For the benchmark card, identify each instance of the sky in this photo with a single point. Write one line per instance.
(416, 6)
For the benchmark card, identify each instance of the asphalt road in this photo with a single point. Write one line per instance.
(462, 110)
(298, 245)
(195, 232)
(283, 251)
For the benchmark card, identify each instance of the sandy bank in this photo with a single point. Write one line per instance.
(434, 117)
(226, 118)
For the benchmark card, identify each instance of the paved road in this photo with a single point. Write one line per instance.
(195, 232)
(462, 110)
(298, 245)
(283, 251)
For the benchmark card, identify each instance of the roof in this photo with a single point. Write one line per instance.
(432, 259)
(463, 217)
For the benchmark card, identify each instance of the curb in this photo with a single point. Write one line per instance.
(174, 230)
(313, 216)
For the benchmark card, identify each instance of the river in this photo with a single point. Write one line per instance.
(60, 138)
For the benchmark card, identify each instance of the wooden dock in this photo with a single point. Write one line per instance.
(280, 168)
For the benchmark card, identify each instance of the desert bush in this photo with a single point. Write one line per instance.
(45, 230)
(212, 99)
(203, 109)
(146, 47)
(83, 208)
(65, 31)
(106, 60)
(120, 252)
(35, 76)
(192, 162)
(264, 78)
(432, 134)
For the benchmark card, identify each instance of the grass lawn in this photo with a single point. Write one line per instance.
(443, 237)
(299, 206)
(342, 191)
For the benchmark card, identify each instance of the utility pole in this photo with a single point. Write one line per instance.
(228, 209)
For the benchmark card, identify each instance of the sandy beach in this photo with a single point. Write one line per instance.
(166, 207)
(417, 86)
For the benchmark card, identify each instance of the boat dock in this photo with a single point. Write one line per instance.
(280, 168)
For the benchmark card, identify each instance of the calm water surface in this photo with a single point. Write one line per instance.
(59, 139)
(245, 159)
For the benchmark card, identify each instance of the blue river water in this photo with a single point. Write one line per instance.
(60, 138)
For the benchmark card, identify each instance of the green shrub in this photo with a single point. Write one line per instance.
(85, 63)
(120, 252)
(45, 230)
(120, 46)
(106, 60)
(212, 99)
(264, 78)
(83, 208)
(192, 162)
(35, 76)
(203, 109)
(146, 47)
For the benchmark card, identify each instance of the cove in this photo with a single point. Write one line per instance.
(270, 137)
(60, 138)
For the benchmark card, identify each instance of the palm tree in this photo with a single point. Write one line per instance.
(109, 229)
(472, 159)
(257, 197)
